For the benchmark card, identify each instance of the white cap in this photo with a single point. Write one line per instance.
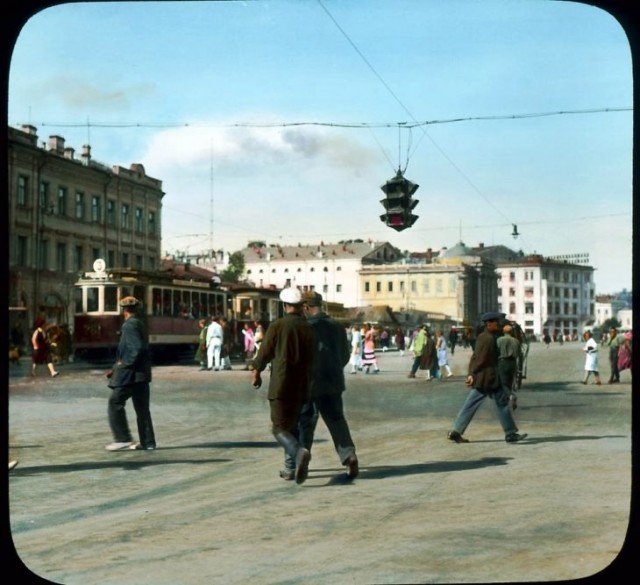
(291, 296)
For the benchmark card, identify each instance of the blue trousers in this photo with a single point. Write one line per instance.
(474, 400)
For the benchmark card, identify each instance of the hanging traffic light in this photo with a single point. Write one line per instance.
(399, 203)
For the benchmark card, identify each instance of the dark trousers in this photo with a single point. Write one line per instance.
(613, 362)
(507, 368)
(140, 396)
(331, 409)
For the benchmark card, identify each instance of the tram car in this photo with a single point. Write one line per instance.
(170, 306)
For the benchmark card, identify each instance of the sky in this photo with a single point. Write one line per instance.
(279, 120)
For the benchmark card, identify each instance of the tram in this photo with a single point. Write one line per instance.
(170, 306)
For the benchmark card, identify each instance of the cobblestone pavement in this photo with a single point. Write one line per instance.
(208, 506)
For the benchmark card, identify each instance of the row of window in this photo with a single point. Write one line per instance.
(557, 275)
(426, 286)
(77, 260)
(552, 292)
(286, 270)
(60, 207)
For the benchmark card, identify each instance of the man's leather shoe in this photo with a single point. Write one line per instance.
(515, 437)
(302, 465)
(352, 467)
(456, 437)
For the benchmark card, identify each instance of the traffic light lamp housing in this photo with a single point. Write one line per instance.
(399, 203)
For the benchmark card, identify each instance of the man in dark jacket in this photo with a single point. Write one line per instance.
(289, 346)
(129, 378)
(327, 385)
(484, 381)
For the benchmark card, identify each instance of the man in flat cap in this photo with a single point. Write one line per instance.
(129, 378)
(484, 380)
(289, 345)
(327, 385)
(509, 352)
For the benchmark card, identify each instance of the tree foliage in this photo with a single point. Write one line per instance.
(233, 272)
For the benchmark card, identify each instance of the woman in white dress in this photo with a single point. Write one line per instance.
(591, 361)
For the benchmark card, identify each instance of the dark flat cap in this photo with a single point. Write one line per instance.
(492, 316)
(312, 298)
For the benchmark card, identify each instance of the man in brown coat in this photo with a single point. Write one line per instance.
(289, 345)
(484, 380)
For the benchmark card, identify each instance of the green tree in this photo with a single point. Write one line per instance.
(234, 271)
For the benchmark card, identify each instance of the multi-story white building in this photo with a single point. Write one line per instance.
(607, 307)
(331, 269)
(547, 296)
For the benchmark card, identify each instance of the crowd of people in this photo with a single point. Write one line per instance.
(307, 353)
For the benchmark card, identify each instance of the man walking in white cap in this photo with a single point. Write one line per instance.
(289, 345)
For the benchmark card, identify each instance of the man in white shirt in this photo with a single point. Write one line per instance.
(214, 344)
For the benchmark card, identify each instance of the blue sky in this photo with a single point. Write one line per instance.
(242, 108)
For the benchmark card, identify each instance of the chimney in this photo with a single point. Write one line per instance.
(29, 129)
(86, 154)
(69, 152)
(481, 245)
(56, 144)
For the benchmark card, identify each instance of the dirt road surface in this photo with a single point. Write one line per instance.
(208, 506)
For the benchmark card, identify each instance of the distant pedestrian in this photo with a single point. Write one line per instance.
(508, 355)
(484, 381)
(453, 339)
(130, 378)
(441, 352)
(356, 350)
(384, 340)
(612, 342)
(201, 353)
(41, 354)
(418, 346)
(369, 359)
(429, 361)
(214, 344)
(327, 385)
(625, 353)
(289, 346)
(400, 341)
(249, 342)
(591, 361)
(227, 341)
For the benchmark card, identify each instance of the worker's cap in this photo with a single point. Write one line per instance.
(129, 302)
(291, 296)
(492, 316)
(312, 298)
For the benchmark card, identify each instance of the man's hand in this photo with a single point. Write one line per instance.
(257, 379)
(109, 373)
(469, 381)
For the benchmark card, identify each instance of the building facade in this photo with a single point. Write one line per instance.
(547, 296)
(330, 269)
(65, 212)
(455, 283)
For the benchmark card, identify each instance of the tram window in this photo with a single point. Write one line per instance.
(139, 293)
(110, 298)
(156, 295)
(166, 302)
(185, 307)
(92, 299)
(203, 305)
(77, 299)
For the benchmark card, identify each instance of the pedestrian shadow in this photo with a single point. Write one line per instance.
(387, 471)
(227, 445)
(562, 438)
(127, 464)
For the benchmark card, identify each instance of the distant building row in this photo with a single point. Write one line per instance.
(65, 212)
